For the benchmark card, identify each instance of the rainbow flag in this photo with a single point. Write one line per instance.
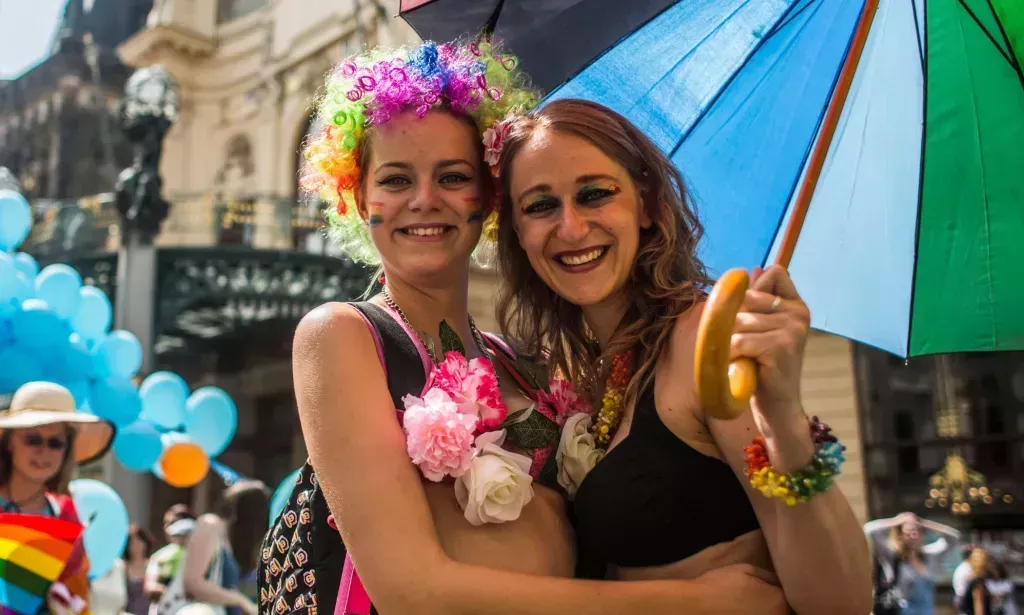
(34, 551)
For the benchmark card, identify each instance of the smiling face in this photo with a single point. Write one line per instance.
(37, 453)
(422, 195)
(578, 216)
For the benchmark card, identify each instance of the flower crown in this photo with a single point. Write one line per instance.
(471, 79)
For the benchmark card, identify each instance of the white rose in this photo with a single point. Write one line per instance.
(498, 483)
(577, 453)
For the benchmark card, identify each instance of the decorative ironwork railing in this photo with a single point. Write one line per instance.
(78, 227)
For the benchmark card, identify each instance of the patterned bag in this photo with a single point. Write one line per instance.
(303, 558)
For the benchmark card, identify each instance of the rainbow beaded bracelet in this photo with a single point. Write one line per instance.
(800, 486)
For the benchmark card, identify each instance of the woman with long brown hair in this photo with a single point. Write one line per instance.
(598, 254)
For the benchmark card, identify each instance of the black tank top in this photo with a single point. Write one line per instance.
(654, 500)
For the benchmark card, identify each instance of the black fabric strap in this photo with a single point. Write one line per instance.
(404, 365)
(405, 377)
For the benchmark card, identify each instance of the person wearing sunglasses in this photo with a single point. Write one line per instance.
(43, 438)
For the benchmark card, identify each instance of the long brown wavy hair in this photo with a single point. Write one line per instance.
(667, 277)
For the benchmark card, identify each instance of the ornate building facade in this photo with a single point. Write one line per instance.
(56, 118)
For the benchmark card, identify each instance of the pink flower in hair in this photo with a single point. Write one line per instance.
(495, 136)
(473, 386)
(439, 438)
(563, 400)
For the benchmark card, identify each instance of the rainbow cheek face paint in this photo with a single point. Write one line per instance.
(376, 217)
(473, 204)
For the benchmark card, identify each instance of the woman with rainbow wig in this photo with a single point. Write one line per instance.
(453, 505)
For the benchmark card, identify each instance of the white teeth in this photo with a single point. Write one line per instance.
(582, 259)
(427, 231)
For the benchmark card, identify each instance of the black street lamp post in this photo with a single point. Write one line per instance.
(149, 108)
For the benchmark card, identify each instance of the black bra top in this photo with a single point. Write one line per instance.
(654, 500)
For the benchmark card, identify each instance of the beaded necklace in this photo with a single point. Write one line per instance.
(609, 417)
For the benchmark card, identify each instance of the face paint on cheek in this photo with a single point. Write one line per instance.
(376, 218)
(477, 215)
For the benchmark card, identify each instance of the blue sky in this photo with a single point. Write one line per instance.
(26, 33)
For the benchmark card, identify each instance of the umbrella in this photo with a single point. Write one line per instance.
(873, 146)
(34, 553)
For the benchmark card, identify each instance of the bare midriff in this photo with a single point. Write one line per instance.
(539, 542)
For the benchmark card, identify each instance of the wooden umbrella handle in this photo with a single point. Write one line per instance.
(724, 387)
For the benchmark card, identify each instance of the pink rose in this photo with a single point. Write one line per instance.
(562, 398)
(439, 438)
(494, 138)
(473, 386)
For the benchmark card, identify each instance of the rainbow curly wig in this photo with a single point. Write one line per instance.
(470, 79)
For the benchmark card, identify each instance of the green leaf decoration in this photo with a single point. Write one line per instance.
(516, 416)
(450, 340)
(534, 431)
(535, 374)
(549, 473)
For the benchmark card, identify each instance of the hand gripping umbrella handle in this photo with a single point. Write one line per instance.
(724, 387)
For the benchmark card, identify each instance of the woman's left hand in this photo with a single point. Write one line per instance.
(771, 328)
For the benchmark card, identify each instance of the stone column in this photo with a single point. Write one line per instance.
(134, 311)
(149, 109)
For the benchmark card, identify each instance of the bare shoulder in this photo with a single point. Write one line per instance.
(678, 356)
(208, 522)
(677, 401)
(327, 326)
(684, 332)
(209, 528)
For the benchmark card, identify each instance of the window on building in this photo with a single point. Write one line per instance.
(228, 10)
(912, 423)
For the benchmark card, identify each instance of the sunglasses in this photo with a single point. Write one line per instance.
(37, 441)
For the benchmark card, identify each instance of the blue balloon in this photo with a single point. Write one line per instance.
(23, 290)
(116, 399)
(77, 359)
(163, 399)
(138, 446)
(94, 315)
(17, 292)
(58, 285)
(122, 353)
(282, 494)
(36, 326)
(15, 220)
(53, 360)
(7, 272)
(106, 523)
(6, 333)
(80, 390)
(26, 264)
(19, 367)
(9, 287)
(211, 419)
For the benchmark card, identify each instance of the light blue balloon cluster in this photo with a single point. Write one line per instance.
(170, 415)
(52, 328)
(55, 329)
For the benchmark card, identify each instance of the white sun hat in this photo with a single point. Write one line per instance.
(44, 403)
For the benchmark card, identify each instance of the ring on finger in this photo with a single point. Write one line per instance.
(775, 304)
